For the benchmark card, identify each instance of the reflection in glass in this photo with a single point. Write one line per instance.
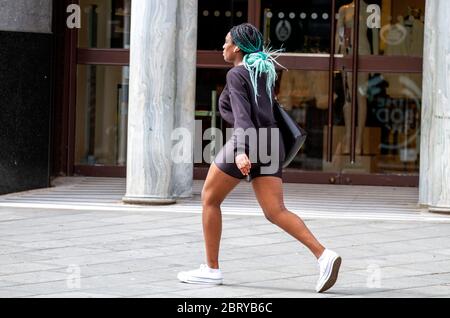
(210, 84)
(366, 138)
(368, 44)
(368, 41)
(216, 18)
(297, 26)
(401, 29)
(396, 108)
(390, 135)
(304, 94)
(102, 115)
(105, 24)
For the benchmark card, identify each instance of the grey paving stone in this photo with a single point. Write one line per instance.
(247, 276)
(65, 252)
(5, 283)
(161, 295)
(142, 289)
(431, 267)
(430, 291)
(14, 256)
(34, 277)
(59, 286)
(293, 285)
(90, 259)
(104, 282)
(399, 283)
(18, 268)
(76, 295)
(224, 291)
(394, 294)
(10, 292)
(138, 254)
(291, 295)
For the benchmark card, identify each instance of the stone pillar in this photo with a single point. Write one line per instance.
(435, 130)
(186, 68)
(162, 90)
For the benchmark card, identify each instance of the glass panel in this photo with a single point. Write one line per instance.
(304, 94)
(367, 138)
(102, 115)
(344, 28)
(394, 111)
(105, 24)
(216, 18)
(400, 29)
(210, 83)
(388, 125)
(298, 26)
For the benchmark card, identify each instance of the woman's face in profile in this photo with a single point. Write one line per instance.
(229, 49)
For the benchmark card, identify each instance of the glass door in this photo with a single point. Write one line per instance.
(376, 114)
(363, 129)
(303, 30)
(102, 81)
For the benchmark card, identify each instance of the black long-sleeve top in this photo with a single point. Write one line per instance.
(238, 107)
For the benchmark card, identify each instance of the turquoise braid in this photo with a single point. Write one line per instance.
(257, 58)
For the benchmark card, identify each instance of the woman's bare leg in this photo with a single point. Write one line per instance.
(269, 192)
(217, 186)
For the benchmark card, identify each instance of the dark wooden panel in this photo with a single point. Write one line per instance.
(103, 56)
(394, 64)
(101, 171)
(380, 180)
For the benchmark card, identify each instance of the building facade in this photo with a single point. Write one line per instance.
(355, 82)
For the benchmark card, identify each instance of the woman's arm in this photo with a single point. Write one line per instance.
(241, 108)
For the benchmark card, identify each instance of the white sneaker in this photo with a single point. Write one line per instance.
(203, 275)
(329, 264)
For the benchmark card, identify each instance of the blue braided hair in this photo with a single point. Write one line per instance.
(258, 59)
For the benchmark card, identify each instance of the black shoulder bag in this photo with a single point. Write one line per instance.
(292, 134)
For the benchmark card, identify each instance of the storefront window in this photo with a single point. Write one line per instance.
(387, 107)
(304, 94)
(400, 31)
(387, 137)
(105, 24)
(398, 113)
(102, 115)
(216, 18)
(297, 26)
(210, 84)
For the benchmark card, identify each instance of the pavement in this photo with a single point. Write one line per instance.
(53, 244)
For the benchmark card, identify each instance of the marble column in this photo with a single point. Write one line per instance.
(435, 130)
(162, 99)
(186, 68)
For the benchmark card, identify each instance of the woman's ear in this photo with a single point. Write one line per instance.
(236, 49)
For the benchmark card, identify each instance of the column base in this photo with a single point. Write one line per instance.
(439, 209)
(147, 201)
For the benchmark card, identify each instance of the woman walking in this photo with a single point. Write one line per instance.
(246, 102)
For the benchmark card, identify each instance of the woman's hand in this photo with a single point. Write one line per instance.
(243, 163)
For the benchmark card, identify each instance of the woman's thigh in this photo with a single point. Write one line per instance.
(217, 185)
(269, 193)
